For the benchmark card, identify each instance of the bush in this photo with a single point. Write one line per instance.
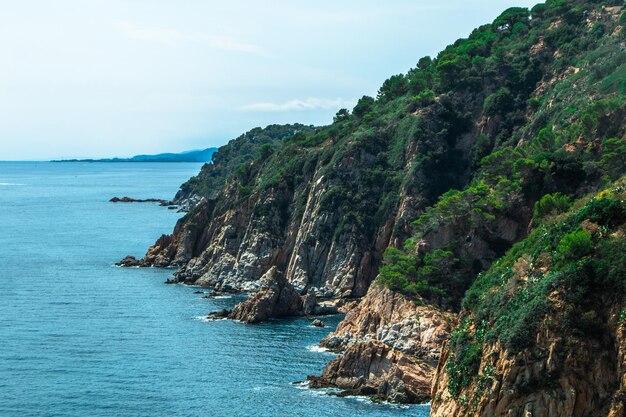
(424, 98)
(363, 106)
(499, 102)
(606, 211)
(576, 244)
(551, 204)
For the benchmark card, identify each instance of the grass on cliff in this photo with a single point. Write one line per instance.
(568, 263)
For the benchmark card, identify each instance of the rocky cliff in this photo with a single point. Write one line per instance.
(321, 212)
(426, 187)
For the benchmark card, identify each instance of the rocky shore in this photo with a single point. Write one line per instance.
(389, 346)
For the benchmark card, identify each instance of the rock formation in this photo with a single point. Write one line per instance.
(390, 348)
(275, 298)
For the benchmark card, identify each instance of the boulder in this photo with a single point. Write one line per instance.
(275, 298)
(129, 261)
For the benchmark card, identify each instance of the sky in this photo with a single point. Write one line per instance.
(103, 78)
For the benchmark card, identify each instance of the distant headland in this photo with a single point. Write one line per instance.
(203, 155)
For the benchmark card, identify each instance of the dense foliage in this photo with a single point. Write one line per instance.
(551, 127)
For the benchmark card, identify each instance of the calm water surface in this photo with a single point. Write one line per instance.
(80, 337)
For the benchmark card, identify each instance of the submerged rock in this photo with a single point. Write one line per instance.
(220, 314)
(214, 294)
(317, 323)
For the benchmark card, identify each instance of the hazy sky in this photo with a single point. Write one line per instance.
(100, 78)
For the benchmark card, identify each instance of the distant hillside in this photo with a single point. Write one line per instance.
(203, 155)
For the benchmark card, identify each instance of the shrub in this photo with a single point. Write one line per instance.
(363, 106)
(576, 244)
(424, 98)
(499, 102)
(606, 211)
(464, 361)
(551, 204)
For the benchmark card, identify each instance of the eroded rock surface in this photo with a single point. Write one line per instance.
(390, 348)
(275, 298)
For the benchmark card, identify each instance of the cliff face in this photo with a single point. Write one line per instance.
(559, 376)
(390, 347)
(542, 332)
(321, 213)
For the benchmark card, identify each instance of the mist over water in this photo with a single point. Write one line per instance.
(79, 336)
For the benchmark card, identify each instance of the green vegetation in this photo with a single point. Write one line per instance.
(577, 259)
(464, 362)
(257, 143)
(551, 204)
(540, 148)
(576, 244)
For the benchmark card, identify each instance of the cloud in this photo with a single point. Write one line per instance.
(176, 37)
(310, 103)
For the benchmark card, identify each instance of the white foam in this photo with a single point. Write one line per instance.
(319, 349)
(305, 385)
(208, 319)
(302, 385)
(8, 184)
(318, 392)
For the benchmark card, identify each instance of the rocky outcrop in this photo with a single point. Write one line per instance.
(390, 348)
(128, 262)
(275, 298)
(145, 200)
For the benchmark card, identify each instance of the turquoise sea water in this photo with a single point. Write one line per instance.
(80, 337)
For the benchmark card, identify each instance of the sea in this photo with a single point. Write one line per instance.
(81, 337)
